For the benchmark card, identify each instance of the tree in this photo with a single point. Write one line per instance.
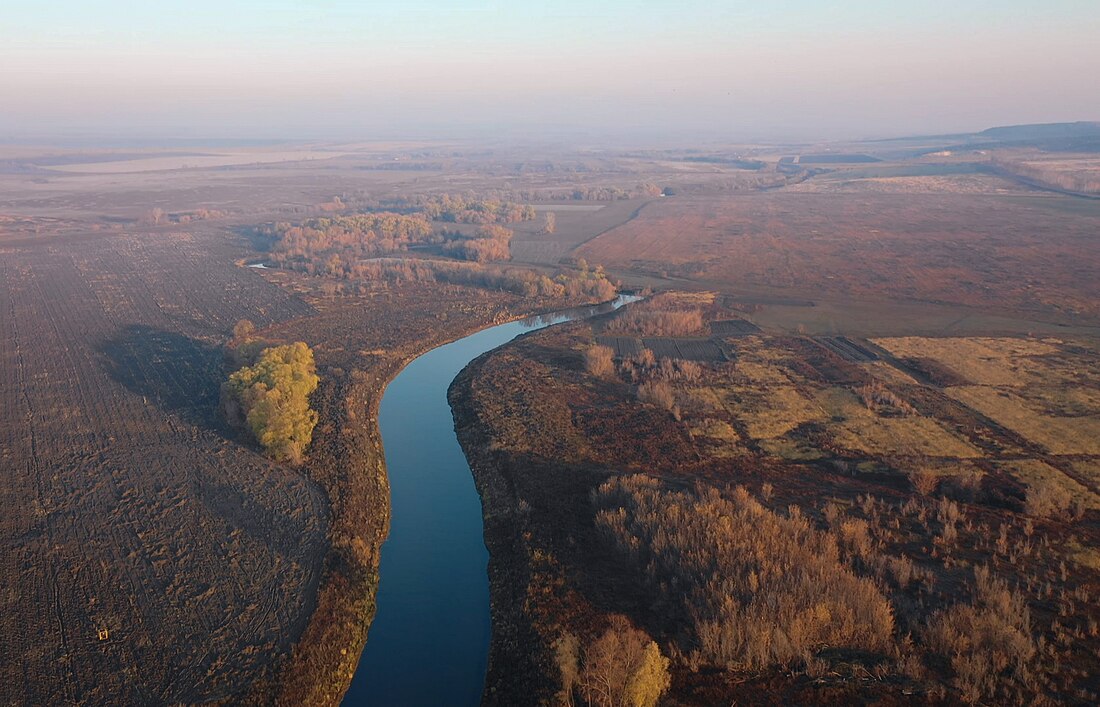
(243, 331)
(567, 658)
(272, 397)
(624, 668)
(551, 223)
(244, 347)
(650, 680)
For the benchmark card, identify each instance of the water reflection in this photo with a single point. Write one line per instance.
(429, 642)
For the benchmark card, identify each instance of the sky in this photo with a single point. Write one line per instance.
(723, 69)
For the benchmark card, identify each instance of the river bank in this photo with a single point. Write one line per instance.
(360, 348)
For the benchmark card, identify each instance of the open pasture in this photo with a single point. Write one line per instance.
(1022, 254)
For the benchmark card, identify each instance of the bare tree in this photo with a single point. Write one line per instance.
(624, 667)
(551, 222)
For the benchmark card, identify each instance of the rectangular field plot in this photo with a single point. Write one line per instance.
(733, 327)
(624, 346)
(687, 349)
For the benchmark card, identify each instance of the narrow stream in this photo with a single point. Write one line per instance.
(429, 642)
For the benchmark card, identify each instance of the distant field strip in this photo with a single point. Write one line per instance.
(574, 227)
(159, 164)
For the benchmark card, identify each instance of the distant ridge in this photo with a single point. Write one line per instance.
(1044, 131)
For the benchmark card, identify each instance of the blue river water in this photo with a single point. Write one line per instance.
(429, 642)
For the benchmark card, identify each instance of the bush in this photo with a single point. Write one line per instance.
(878, 398)
(1046, 499)
(658, 393)
(599, 361)
(272, 398)
(924, 481)
(986, 639)
(642, 322)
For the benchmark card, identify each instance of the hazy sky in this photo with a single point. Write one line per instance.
(728, 68)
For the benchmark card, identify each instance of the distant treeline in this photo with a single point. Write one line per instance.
(335, 245)
(583, 283)
(462, 209)
(489, 243)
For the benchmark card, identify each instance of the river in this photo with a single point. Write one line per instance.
(429, 642)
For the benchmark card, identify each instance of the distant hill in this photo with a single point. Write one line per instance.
(1044, 131)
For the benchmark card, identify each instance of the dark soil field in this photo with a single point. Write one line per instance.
(134, 509)
(129, 508)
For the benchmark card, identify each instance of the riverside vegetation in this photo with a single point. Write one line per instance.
(223, 575)
(790, 517)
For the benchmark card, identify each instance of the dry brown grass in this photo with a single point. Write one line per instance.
(855, 427)
(1088, 469)
(1038, 476)
(988, 642)
(907, 436)
(1060, 435)
(854, 182)
(773, 414)
(983, 361)
(877, 246)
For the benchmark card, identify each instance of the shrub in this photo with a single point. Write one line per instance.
(1046, 499)
(923, 481)
(658, 393)
(878, 398)
(986, 639)
(600, 361)
(644, 322)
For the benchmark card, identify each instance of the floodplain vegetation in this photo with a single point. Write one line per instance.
(336, 245)
(793, 518)
(360, 248)
(157, 557)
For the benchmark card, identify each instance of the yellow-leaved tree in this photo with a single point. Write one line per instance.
(623, 668)
(272, 398)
